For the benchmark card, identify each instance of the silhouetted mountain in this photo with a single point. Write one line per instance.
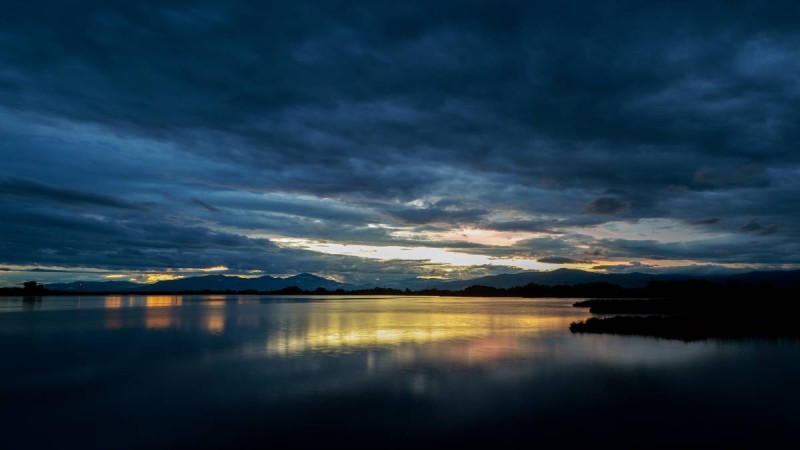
(551, 278)
(778, 279)
(305, 281)
(410, 283)
(211, 283)
(310, 282)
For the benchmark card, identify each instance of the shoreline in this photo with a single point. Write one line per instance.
(691, 319)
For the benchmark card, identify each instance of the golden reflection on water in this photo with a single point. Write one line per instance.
(112, 319)
(155, 319)
(471, 331)
(157, 316)
(214, 321)
(482, 335)
(113, 301)
(468, 331)
(215, 324)
(154, 301)
(158, 319)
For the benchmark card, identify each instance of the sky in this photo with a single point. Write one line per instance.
(384, 140)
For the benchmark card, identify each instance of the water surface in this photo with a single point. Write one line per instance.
(256, 372)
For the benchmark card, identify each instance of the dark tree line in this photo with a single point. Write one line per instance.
(687, 289)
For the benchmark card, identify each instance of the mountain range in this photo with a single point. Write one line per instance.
(310, 282)
(305, 281)
(778, 279)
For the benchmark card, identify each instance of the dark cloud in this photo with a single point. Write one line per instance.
(623, 268)
(545, 244)
(563, 260)
(199, 131)
(709, 221)
(205, 205)
(719, 251)
(719, 177)
(28, 190)
(767, 230)
(753, 226)
(605, 205)
(437, 213)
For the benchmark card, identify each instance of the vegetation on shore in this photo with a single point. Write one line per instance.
(659, 290)
(530, 290)
(688, 328)
(727, 312)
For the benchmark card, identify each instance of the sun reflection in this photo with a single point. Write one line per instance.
(113, 301)
(478, 337)
(215, 323)
(160, 312)
(155, 301)
(112, 319)
(159, 320)
(157, 316)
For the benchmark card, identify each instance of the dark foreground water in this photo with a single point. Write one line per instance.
(381, 372)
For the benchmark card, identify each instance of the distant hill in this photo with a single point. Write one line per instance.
(778, 279)
(310, 282)
(305, 281)
(554, 277)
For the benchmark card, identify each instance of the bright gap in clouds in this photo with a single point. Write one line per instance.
(433, 255)
(467, 234)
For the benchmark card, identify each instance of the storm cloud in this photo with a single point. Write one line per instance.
(173, 134)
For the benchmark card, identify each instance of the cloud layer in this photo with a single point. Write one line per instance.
(171, 134)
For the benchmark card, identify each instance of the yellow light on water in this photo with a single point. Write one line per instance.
(479, 336)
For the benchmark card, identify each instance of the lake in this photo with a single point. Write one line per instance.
(193, 372)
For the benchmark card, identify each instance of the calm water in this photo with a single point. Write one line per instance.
(256, 372)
